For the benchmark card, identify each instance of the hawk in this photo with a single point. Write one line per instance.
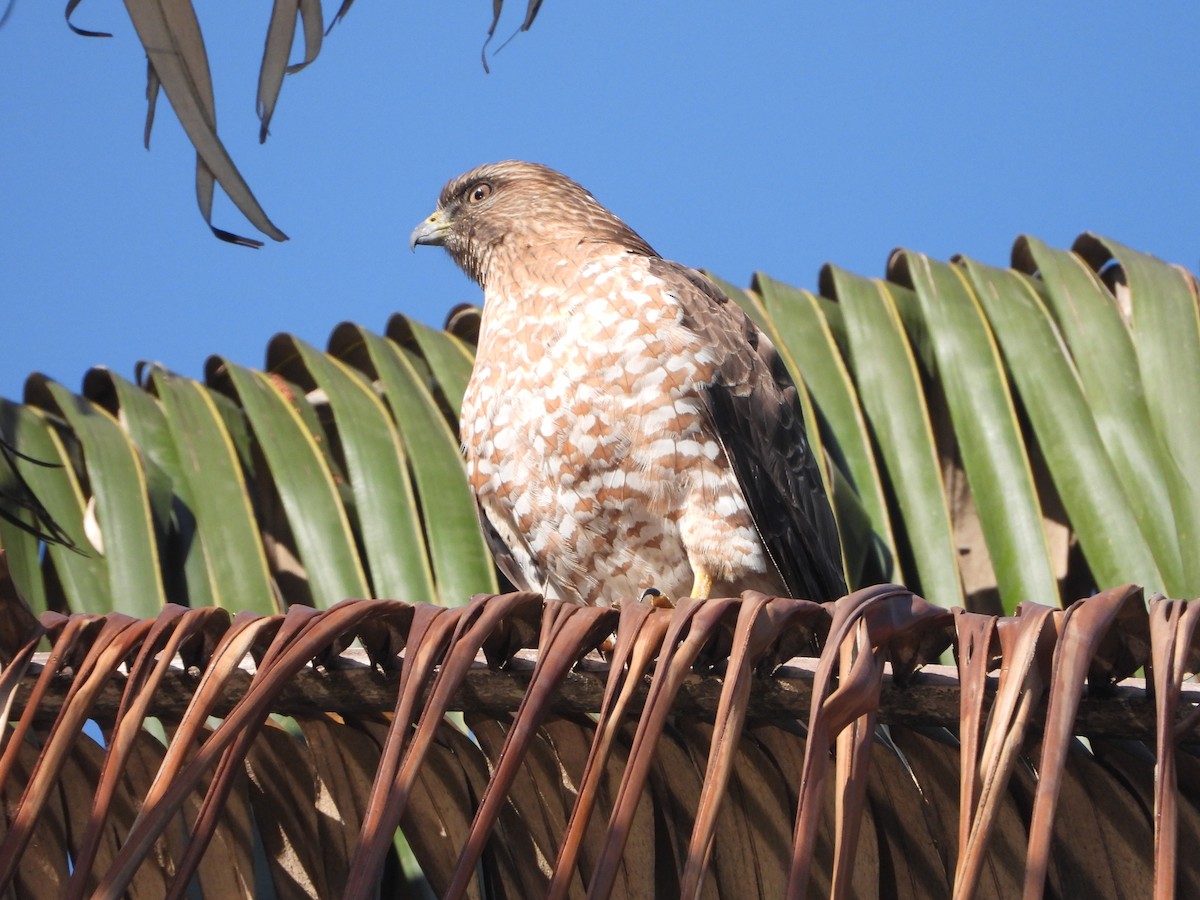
(626, 426)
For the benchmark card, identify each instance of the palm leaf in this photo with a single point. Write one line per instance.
(974, 431)
(74, 574)
(818, 362)
(312, 482)
(1165, 326)
(383, 504)
(889, 385)
(119, 509)
(459, 558)
(216, 517)
(987, 431)
(950, 391)
(753, 778)
(985, 424)
(1082, 470)
(1102, 351)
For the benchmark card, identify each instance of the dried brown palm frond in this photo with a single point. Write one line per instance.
(709, 756)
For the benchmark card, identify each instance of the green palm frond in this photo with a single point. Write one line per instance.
(992, 435)
(330, 475)
(997, 427)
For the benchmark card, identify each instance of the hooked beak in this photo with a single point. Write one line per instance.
(432, 231)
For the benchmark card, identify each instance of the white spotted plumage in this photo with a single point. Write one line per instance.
(625, 426)
(637, 489)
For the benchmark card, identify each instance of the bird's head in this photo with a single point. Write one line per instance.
(513, 209)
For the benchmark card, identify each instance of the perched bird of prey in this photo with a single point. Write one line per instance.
(626, 425)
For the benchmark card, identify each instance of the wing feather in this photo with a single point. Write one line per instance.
(755, 414)
(513, 558)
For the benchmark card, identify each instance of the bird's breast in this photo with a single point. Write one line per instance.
(584, 430)
(587, 379)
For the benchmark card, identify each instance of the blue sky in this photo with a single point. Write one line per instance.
(773, 136)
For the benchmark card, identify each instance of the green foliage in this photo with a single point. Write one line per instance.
(177, 64)
(992, 436)
(1009, 434)
(331, 475)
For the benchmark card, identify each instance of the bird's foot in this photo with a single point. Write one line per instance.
(655, 598)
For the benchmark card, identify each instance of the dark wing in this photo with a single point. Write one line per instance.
(753, 407)
(522, 578)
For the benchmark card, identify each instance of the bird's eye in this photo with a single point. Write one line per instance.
(480, 192)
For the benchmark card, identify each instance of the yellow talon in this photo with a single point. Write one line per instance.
(655, 598)
(702, 586)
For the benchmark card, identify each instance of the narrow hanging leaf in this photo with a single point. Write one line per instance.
(174, 47)
(531, 11)
(205, 185)
(497, 6)
(152, 88)
(281, 32)
(71, 7)
(340, 14)
(311, 17)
